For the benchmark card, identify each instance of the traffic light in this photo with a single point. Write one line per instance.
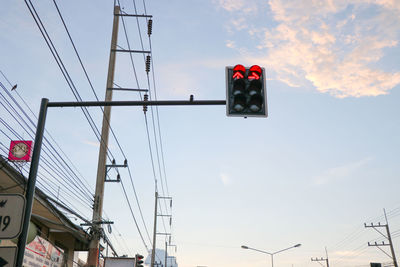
(138, 260)
(374, 264)
(246, 91)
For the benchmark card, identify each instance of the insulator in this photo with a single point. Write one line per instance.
(148, 59)
(149, 27)
(145, 98)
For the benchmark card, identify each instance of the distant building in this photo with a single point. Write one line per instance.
(160, 259)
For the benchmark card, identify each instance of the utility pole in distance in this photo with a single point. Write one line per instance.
(93, 255)
(322, 259)
(387, 236)
(153, 253)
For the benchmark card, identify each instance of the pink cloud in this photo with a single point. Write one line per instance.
(309, 47)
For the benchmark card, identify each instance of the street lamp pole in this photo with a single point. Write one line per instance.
(271, 253)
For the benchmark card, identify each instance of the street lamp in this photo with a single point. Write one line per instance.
(273, 253)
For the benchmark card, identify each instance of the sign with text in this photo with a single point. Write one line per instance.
(42, 253)
(12, 207)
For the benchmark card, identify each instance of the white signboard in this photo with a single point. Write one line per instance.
(42, 253)
(12, 207)
(8, 256)
(119, 262)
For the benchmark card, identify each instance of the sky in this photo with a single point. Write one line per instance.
(323, 163)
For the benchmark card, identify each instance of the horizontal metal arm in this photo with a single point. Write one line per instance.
(130, 51)
(276, 252)
(163, 233)
(133, 15)
(137, 103)
(262, 251)
(127, 89)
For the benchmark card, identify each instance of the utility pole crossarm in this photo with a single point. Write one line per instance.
(377, 244)
(326, 260)
(133, 15)
(319, 261)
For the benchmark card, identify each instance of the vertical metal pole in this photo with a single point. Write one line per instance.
(327, 259)
(272, 260)
(93, 254)
(390, 240)
(153, 253)
(30, 193)
(166, 255)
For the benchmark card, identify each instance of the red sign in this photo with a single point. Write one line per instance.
(20, 151)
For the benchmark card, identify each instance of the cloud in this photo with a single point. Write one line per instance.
(230, 5)
(340, 172)
(333, 46)
(230, 44)
(178, 82)
(241, 6)
(91, 143)
(225, 179)
(346, 253)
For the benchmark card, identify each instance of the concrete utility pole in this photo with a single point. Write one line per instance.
(166, 254)
(387, 236)
(93, 256)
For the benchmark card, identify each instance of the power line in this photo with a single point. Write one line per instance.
(64, 71)
(54, 156)
(86, 74)
(81, 63)
(133, 216)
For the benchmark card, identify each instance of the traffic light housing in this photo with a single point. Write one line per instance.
(138, 260)
(246, 91)
(374, 264)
